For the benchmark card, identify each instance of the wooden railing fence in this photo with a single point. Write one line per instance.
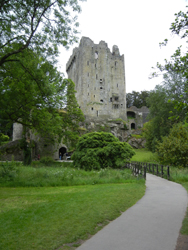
(141, 168)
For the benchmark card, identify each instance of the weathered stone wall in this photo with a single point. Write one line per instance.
(11, 151)
(139, 116)
(99, 76)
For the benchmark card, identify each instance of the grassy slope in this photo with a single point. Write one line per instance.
(49, 217)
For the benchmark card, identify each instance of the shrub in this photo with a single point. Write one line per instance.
(46, 160)
(173, 150)
(8, 171)
(101, 150)
(3, 139)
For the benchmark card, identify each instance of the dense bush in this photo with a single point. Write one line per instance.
(46, 160)
(101, 150)
(173, 150)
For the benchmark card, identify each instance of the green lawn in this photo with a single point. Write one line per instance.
(143, 155)
(57, 206)
(51, 217)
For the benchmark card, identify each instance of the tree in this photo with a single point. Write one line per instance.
(38, 25)
(161, 110)
(101, 150)
(178, 64)
(32, 91)
(137, 99)
(173, 149)
(168, 102)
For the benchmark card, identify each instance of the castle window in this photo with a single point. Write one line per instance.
(100, 87)
(87, 62)
(121, 105)
(100, 80)
(96, 55)
(79, 107)
(101, 100)
(115, 63)
(91, 108)
(95, 65)
(96, 76)
(116, 98)
(94, 96)
(88, 93)
(110, 99)
(115, 106)
(97, 113)
(117, 85)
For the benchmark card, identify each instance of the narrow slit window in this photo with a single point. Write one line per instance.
(96, 55)
(100, 87)
(117, 85)
(91, 108)
(96, 76)
(88, 63)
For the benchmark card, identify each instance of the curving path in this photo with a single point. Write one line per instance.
(153, 223)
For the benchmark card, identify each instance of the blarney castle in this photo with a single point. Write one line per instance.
(99, 77)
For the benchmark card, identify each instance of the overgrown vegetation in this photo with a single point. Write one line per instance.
(58, 174)
(3, 139)
(173, 150)
(101, 150)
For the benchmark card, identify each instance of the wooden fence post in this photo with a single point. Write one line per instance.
(157, 169)
(145, 172)
(162, 171)
(168, 173)
(152, 168)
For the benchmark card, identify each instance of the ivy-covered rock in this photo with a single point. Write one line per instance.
(101, 150)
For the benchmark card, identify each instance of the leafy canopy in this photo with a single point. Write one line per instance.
(32, 91)
(176, 69)
(173, 150)
(38, 25)
(137, 99)
(101, 150)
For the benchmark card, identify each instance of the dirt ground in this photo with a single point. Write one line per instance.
(182, 242)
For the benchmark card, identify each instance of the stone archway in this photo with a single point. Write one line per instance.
(133, 126)
(62, 151)
(131, 114)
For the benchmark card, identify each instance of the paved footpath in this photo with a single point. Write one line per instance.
(153, 223)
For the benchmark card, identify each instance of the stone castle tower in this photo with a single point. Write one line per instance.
(99, 76)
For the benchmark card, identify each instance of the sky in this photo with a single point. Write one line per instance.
(136, 27)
